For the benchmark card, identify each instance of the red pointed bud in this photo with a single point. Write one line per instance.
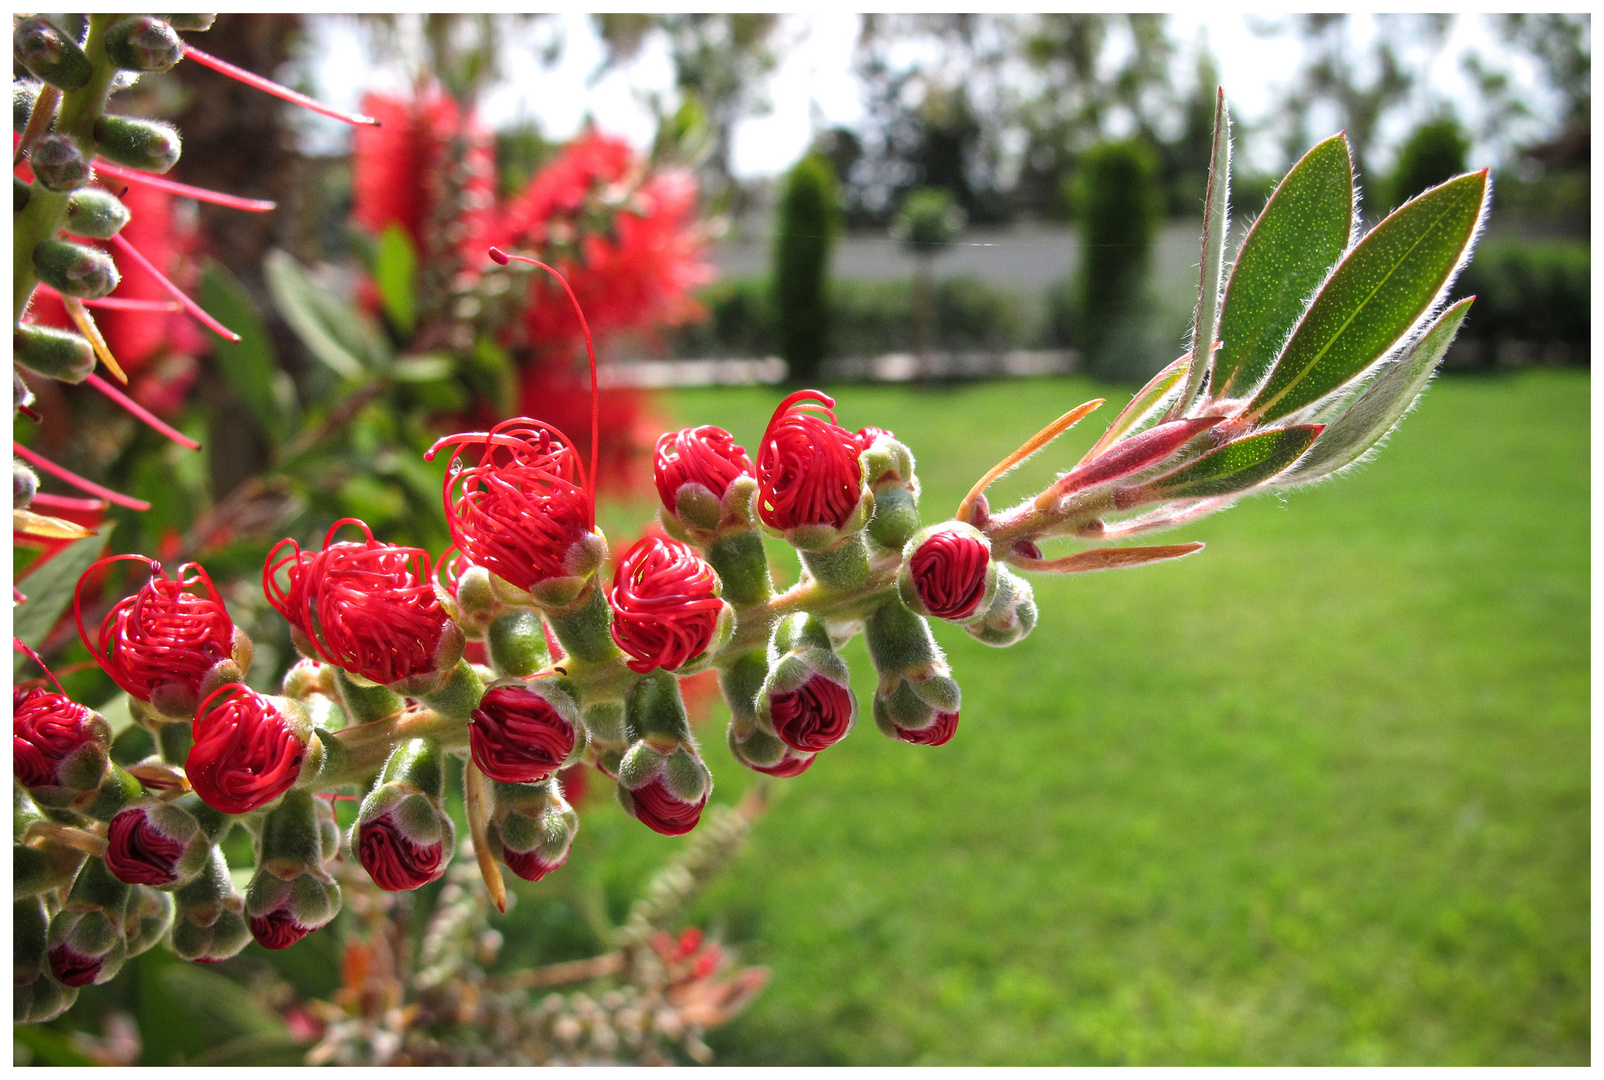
(807, 698)
(403, 837)
(160, 845)
(523, 512)
(947, 571)
(666, 606)
(366, 607)
(532, 828)
(522, 732)
(810, 481)
(1129, 456)
(248, 749)
(58, 747)
(697, 470)
(169, 642)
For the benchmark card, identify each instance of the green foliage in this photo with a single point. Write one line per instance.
(1119, 208)
(1434, 152)
(1531, 290)
(250, 363)
(395, 270)
(806, 226)
(928, 222)
(49, 592)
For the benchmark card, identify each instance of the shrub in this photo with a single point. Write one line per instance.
(1434, 153)
(1120, 205)
(808, 220)
(1535, 291)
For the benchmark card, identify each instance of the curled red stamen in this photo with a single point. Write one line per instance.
(206, 195)
(666, 604)
(705, 455)
(271, 87)
(815, 716)
(141, 412)
(949, 573)
(77, 481)
(173, 290)
(807, 469)
(245, 753)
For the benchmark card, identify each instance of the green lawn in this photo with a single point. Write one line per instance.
(1316, 795)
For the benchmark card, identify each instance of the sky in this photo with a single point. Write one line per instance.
(814, 83)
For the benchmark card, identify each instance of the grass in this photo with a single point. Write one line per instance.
(1317, 795)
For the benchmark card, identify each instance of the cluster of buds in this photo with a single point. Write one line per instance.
(386, 698)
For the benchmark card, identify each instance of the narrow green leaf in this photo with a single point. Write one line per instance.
(1371, 415)
(1291, 248)
(396, 270)
(1143, 409)
(425, 368)
(256, 1050)
(300, 302)
(1236, 466)
(1373, 298)
(249, 363)
(1216, 224)
(49, 592)
(226, 1009)
(49, 1047)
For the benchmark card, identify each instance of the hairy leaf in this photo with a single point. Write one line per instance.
(1379, 291)
(1368, 418)
(49, 591)
(1216, 224)
(1291, 248)
(1236, 466)
(1143, 409)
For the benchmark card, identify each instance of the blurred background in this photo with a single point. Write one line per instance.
(1319, 795)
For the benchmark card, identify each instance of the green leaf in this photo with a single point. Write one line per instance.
(249, 363)
(425, 368)
(1236, 466)
(224, 1008)
(1291, 248)
(325, 328)
(1370, 416)
(1379, 291)
(396, 270)
(1216, 223)
(256, 1050)
(49, 1047)
(49, 592)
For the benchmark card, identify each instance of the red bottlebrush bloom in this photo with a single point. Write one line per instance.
(659, 810)
(71, 968)
(394, 861)
(939, 731)
(807, 468)
(867, 436)
(816, 715)
(553, 391)
(367, 607)
(137, 853)
(529, 865)
(160, 643)
(705, 455)
(949, 573)
(246, 754)
(666, 604)
(516, 736)
(790, 765)
(277, 929)
(46, 729)
(523, 507)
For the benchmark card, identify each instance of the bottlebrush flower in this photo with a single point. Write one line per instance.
(159, 845)
(532, 828)
(807, 468)
(522, 732)
(947, 571)
(367, 607)
(248, 749)
(703, 477)
(56, 743)
(816, 715)
(523, 512)
(656, 806)
(168, 642)
(666, 606)
(940, 729)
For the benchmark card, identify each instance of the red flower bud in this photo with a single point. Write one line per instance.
(46, 729)
(520, 511)
(529, 865)
(705, 455)
(807, 467)
(277, 929)
(72, 968)
(666, 604)
(139, 854)
(392, 860)
(159, 643)
(246, 754)
(867, 436)
(517, 736)
(659, 810)
(949, 573)
(367, 607)
(940, 730)
(816, 715)
(792, 764)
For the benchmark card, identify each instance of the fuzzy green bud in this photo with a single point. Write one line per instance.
(94, 213)
(74, 269)
(1011, 615)
(517, 644)
(59, 163)
(143, 43)
(36, 995)
(532, 827)
(24, 95)
(150, 916)
(191, 22)
(53, 353)
(210, 915)
(137, 143)
(49, 54)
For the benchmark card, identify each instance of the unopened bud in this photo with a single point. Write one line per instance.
(162, 845)
(291, 893)
(58, 747)
(24, 94)
(35, 994)
(947, 571)
(86, 943)
(49, 54)
(1011, 615)
(24, 485)
(94, 213)
(149, 145)
(143, 43)
(191, 22)
(210, 920)
(402, 836)
(532, 828)
(75, 269)
(55, 354)
(662, 780)
(764, 753)
(58, 163)
(917, 699)
(807, 699)
(150, 916)
(522, 732)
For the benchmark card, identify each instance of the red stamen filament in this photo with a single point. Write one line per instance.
(67, 502)
(21, 646)
(118, 303)
(141, 412)
(77, 481)
(271, 87)
(219, 198)
(173, 290)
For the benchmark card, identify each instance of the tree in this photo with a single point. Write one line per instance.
(806, 224)
(1434, 153)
